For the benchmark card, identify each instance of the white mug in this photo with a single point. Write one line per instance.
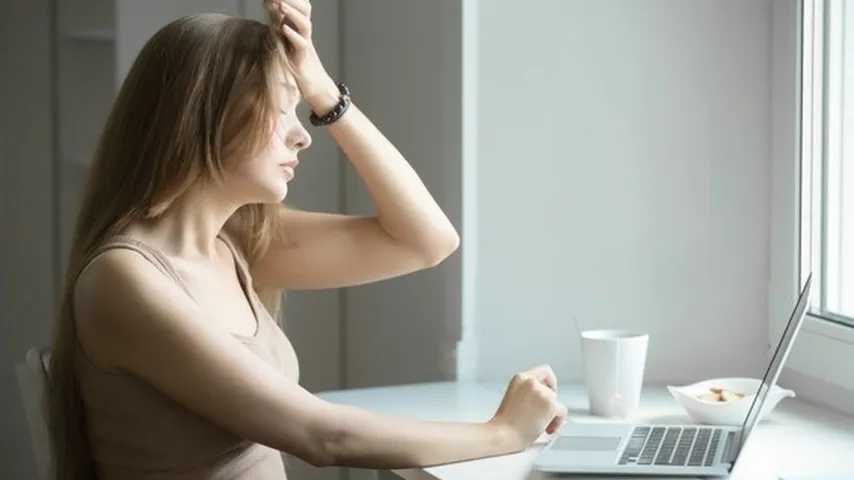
(613, 370)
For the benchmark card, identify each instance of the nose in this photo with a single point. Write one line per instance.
(300, 138)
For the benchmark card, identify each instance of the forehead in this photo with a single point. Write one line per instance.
(289, 86)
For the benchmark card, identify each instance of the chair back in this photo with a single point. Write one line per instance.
(34, 383)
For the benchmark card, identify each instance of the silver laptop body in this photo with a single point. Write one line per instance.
(678, 450)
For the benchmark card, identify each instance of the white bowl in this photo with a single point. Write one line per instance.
(732, 412)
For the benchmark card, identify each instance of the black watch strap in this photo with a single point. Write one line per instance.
(336, 112)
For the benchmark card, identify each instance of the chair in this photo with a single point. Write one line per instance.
(33, 380)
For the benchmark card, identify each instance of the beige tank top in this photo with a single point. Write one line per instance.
(136, 432)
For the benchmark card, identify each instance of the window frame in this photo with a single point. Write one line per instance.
(822, 343)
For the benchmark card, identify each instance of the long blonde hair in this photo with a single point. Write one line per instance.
(201, 93)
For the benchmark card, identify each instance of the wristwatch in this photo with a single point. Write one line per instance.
(339, 109)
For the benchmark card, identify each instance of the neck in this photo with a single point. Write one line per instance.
(189, 227)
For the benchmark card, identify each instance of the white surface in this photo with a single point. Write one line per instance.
(732, 412)
(817, 477)
(797, 438)
(614, 361)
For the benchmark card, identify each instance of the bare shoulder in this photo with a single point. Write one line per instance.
(102, 294)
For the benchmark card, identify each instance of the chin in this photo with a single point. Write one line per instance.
(272, 193)
(276, 196)
(268, 186)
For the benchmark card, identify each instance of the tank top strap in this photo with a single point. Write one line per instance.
(150, 253)
(237, 253)
(243, 272)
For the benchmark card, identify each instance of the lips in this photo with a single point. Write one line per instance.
(289, 167)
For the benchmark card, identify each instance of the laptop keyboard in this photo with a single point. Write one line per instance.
(691, 446)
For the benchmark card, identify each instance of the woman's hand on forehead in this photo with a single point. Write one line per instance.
(291, 19)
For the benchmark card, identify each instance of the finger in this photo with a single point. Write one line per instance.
(274, 16)
(546, 375)
(303, 6)
(302, 24)
(561, 412)
(271, 6)
(274, 10)
(293, 36)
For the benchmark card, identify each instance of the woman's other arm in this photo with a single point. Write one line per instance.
(149, 328)
(529, 407)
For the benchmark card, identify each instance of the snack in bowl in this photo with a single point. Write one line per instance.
(719, 394)
(725, 401)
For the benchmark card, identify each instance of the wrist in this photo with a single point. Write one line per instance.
(504, 438)
(323, 99)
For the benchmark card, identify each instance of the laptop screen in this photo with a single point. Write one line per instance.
(774, 368)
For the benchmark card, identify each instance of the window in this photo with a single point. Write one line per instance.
(827, 159)
(809, 212)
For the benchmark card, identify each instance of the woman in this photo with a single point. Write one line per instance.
(166, 361)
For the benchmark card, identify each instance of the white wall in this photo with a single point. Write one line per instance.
(623, 179)
(785, 160)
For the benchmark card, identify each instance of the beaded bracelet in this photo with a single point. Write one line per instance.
(334, 114)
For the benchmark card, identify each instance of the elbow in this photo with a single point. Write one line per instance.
(324, 454)
(448, 244)
(311, 450)
(329, 446)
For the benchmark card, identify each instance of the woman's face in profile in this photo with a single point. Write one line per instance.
(265, 178)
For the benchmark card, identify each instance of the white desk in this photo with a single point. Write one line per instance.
(797, 438)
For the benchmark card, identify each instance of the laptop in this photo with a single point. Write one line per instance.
(677, 450)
